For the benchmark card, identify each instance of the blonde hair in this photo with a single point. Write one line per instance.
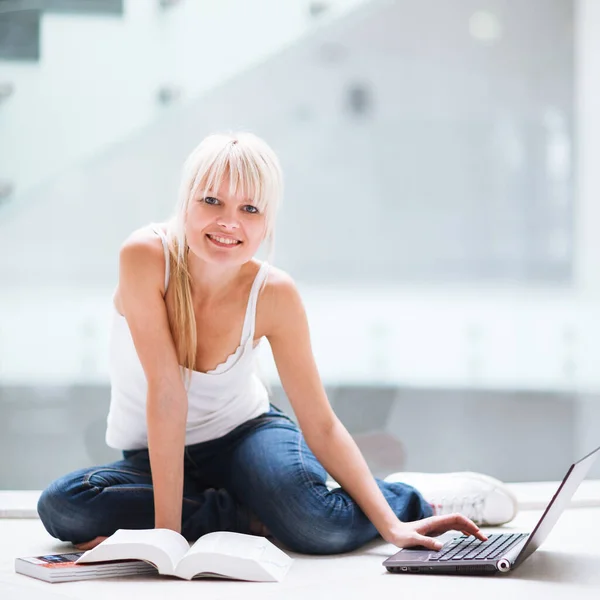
(254, 171)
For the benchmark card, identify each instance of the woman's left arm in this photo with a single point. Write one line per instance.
(324, 433)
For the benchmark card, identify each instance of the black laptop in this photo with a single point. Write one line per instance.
(502, 552)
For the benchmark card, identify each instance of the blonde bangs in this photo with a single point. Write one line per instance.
(248, 173)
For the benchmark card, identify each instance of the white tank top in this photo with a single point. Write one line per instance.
(218, 400)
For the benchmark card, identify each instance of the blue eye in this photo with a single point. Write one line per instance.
(212, 201)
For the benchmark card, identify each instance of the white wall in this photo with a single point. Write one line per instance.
(587, 95)
(98, 76)
(490, 339)
(449, 336)
(424, 170)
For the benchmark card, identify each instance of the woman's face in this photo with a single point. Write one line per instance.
(222, 228)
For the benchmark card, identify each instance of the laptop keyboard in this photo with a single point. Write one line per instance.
(470, 548)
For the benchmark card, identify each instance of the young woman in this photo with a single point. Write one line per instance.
(203, 448)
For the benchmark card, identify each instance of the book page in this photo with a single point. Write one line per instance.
(227, 543)
(163, 548)
(235, 555)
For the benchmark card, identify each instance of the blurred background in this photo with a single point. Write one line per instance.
(441, 214)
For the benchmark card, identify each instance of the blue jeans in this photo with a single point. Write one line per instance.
(262, 469)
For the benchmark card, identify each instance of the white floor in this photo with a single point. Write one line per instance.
(567, 565)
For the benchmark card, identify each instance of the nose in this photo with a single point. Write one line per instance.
(228, 220)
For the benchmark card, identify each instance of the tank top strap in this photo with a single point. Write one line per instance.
(163, 239)
(250, 318)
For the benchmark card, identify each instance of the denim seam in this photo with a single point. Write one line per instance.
(189, 456)
(307, 480)
(86, 479)
(124, 487)
(317, 492)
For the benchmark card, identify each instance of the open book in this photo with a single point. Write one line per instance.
(221, 554)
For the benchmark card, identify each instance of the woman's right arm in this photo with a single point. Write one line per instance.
(140, 292)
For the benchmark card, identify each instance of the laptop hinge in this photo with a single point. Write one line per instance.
(508, 559)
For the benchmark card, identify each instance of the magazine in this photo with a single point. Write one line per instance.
(55, 568)
(222, 554)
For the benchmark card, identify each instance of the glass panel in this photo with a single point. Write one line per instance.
(428, 150)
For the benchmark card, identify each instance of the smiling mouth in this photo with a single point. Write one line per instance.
(223, 242)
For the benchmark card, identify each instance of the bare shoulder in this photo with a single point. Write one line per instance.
(278, 279)
(280, 286)
(142, 243)
(282, 301)
(141, 261)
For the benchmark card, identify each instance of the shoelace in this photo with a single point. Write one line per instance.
(468, 506)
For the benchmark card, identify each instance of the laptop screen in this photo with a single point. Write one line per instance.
(559, 502)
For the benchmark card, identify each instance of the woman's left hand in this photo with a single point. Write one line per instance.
(91, 544)
(415, 533)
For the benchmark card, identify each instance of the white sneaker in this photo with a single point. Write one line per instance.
(481, 498)
(332, 484)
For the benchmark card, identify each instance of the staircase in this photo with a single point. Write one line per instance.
(77, 76)
(362, 128)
